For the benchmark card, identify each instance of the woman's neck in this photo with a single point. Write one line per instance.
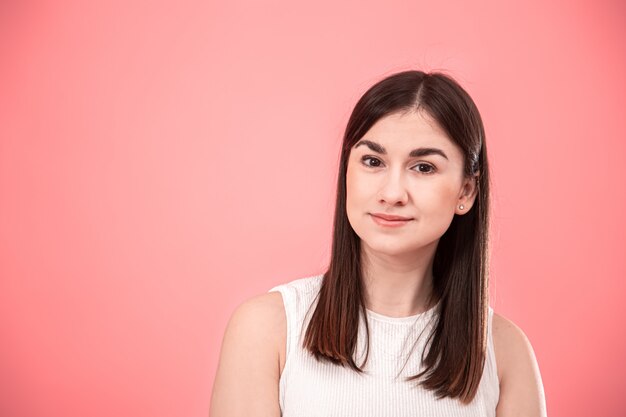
(398, 286)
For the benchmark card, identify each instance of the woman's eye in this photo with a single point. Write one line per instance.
(430, 168)
(376, 161)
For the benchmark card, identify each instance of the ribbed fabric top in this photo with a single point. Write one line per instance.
(310, 388)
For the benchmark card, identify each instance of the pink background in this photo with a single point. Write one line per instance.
(161, 162)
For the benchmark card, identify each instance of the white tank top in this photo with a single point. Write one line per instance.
(310, 388)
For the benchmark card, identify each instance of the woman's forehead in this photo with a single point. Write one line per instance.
(402, 132)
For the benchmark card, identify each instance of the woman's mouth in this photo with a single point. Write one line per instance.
(390, 221)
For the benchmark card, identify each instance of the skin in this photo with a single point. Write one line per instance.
(398, 271)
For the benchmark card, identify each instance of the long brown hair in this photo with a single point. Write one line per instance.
(456, 354)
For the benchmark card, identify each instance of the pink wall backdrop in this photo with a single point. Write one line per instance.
(161, 162)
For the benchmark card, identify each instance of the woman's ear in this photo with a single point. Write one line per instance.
(469, 192)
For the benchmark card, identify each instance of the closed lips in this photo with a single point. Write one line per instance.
(390, 217)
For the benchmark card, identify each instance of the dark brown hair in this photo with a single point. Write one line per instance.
(457, 343)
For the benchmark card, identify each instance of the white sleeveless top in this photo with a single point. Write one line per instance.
(310, 388)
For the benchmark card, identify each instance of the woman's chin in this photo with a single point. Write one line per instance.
(396, 248)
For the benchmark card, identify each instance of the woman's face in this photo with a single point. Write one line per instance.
(427, 187)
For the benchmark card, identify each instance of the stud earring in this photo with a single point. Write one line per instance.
(461, 206)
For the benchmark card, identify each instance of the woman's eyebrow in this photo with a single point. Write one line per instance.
(376, 147)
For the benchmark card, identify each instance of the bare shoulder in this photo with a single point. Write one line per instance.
(509, 340)
(267, 308)
(248, 372)
(521, 387)
(264, 318)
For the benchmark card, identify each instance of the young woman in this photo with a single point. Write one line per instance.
(400, 323)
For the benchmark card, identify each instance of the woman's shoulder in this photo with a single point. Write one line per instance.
(262, 318)
(272, 304)
(249, 363)
(266, 310)
(508, 340)
(269, 310)
(518, 370)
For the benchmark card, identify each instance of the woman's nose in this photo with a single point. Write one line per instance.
(394, 190)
